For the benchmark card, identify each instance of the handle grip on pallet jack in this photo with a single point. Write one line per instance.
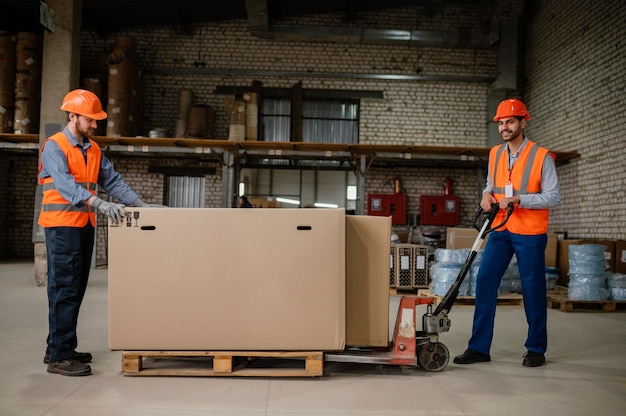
(491, 215)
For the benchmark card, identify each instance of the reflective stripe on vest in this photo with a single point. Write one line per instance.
(523, 189)
(56, 211)
(527, 181)
(87, 185)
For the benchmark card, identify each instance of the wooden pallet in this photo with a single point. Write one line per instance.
(393, 291)
(509, 300)
(560, 300)
(223, 363)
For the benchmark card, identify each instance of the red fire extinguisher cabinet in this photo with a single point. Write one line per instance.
(388, 205)
(439, 210)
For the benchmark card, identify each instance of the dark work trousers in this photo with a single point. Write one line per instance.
(530, 253)
(69, 252)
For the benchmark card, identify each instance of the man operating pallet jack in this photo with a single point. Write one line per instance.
(524, 174)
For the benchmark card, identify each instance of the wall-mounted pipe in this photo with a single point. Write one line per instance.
(437, 39)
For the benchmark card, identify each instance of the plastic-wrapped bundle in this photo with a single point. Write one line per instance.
(617, 286)
(552, 274)
(617, 293)
(510, 279)
(505, 285)
(442, 277)
(616, 280)
(587, 287)
(586, 259)
(451, 256)
(472, 280)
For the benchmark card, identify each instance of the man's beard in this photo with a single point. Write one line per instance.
(86, 132)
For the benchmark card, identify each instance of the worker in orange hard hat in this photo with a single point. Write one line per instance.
(71, 167)
(524, 174)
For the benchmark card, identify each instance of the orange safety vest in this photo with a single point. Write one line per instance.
(56, 211)
(525, 176)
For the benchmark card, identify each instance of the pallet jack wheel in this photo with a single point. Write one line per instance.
(434, 357)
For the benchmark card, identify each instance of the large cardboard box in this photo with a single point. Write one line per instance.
(367, 280)
(457, 237)
(620, 256)
(228, 279)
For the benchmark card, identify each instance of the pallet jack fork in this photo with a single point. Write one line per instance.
(410, 347)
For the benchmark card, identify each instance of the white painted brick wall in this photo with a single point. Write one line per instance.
(576, 93)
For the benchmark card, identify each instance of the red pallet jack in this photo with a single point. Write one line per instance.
(410, 347)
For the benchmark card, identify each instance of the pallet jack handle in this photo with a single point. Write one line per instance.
(453, 292)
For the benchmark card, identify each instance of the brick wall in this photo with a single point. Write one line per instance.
(4, 197)
(574, 83)
(410, 111)
(576, 94)
(17, 197)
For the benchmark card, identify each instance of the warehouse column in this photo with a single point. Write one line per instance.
(60, 74)
(360, 186)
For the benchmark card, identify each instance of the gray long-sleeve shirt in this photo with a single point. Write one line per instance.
(549, 195)
(54, 164)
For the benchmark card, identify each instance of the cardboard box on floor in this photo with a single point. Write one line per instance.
(457, 237)
(228, 279)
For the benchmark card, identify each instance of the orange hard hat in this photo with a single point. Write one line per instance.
(85, 103)
(511, 107)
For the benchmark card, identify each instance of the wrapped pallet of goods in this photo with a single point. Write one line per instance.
(7, 80)
(587, 279)
(445, 270)
(29, 53)
(616, 283)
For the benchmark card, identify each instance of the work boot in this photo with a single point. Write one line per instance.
(471, 357)
(83, 357)
(533, 359)
(69, 368)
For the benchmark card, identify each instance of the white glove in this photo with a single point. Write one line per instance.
(113, 211)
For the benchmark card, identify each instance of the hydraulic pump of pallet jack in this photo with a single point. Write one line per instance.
(437, 322)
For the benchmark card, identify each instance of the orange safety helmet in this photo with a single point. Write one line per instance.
(85, 103)
(511, 107)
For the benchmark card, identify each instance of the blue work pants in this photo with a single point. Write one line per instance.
(530, 252)
(69, 252)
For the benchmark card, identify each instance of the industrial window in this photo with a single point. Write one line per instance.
(323, 120)
(276, 120)
(185, 191)
(330, 121)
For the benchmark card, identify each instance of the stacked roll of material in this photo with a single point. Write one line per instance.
(185, 100)
(587, 280)
(252, 115)
(29, 56)
(124, 90)
(200, 122)
(237, 120)
(8, 44)
(616, 283)
(445, 270)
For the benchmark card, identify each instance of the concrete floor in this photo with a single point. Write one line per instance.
(585, 373)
